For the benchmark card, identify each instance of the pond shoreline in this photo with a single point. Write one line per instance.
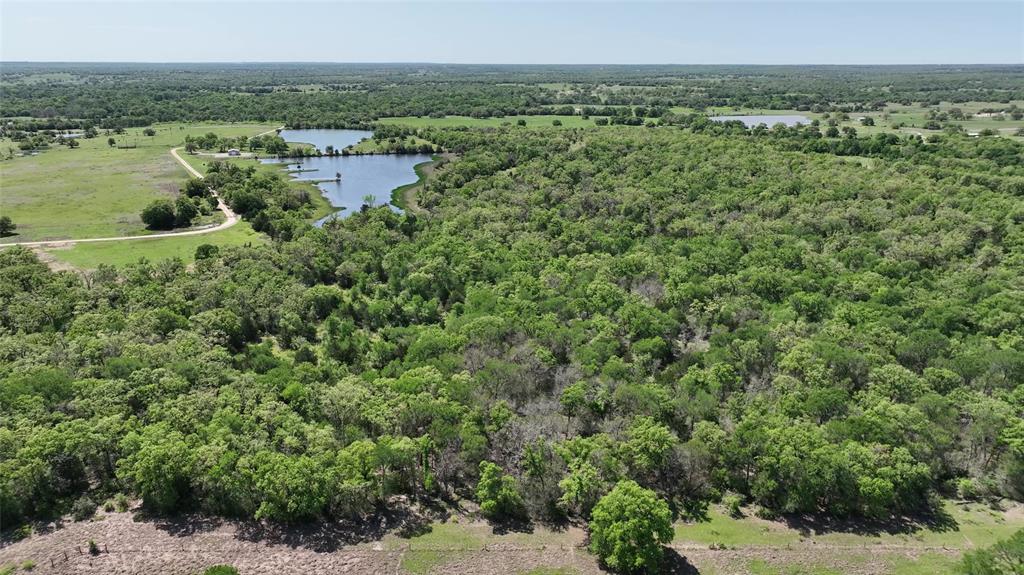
(345, 178)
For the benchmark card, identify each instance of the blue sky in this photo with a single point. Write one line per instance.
(533, 32)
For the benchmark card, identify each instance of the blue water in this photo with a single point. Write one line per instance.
(373, 175)
(751, 121)
(323, 138)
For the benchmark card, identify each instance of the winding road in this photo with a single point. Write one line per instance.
(231, 218)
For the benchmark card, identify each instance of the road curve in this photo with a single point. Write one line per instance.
(230, 218)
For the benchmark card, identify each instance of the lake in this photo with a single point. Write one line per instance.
(751, 121)
(374, 175)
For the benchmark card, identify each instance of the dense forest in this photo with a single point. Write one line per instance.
(343, 95)
(713, 314)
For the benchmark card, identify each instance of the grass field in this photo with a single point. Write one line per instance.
(91, 255)
(912, 117)
(923, 549)
(371, 146)
(97, 190)
(466, 121)
(723, 544)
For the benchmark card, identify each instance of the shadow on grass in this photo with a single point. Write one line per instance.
(511, 525)
(675, 564)
(322, 536)
(183, 525)
(935, 518)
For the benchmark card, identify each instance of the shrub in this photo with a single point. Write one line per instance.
(83, 508)
(7, 226)
(967, 488)
(23, 532)
(221, 570)
(207, 251)
(94, 549)
(28, 565)
(628, 528)
(732, 504)
(121, 502)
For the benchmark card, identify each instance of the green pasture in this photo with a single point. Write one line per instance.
(97, 190)
(466, 121)
(90, 255)
(908, 549)
(912, 118)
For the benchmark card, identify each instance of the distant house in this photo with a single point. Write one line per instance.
(234, 152)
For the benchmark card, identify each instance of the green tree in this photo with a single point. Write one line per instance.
(159, 215)
(289, 488)
(581, 488)
(628, 528)
(157, 463)
(185, 211)
(497, 493)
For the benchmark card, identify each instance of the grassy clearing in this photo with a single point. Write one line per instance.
(466, 121)
(372, 146)
(455, 540)
(924, 564)
(443, 543)
(969, 525)
(923, 551)
(912, 117)
(97, 190)
(404, 196)
(761, 567)
(91, 255)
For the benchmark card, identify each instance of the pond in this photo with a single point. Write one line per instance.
(369, 175)
(751, 121)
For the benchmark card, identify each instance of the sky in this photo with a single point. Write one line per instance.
(506, 32)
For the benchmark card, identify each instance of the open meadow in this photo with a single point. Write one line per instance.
(900, 118)
(538, 121)
(98, 190)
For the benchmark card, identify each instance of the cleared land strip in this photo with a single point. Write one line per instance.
(130, 544)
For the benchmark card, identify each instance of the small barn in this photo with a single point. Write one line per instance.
(234, 152)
